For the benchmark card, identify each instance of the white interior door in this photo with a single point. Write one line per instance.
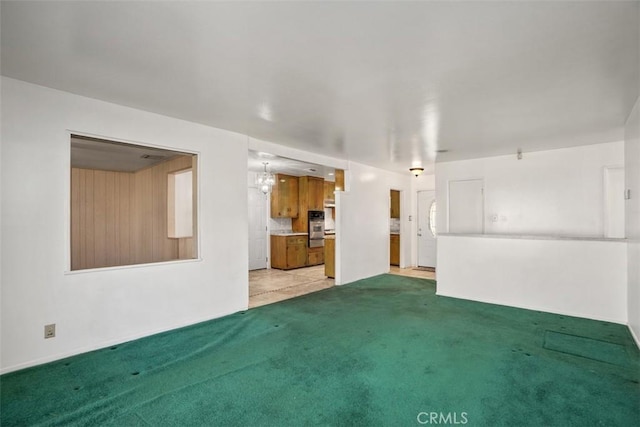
(466, 206)
(426, 229)
(614, 202)
(257, 229)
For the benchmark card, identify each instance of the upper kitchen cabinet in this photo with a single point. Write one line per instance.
(339, 184)
(395, 204)
(329, 188)
(284, 197)
(315, 200)
(311, 198)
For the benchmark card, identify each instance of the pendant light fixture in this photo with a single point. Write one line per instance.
(266, 180)
(416, 171)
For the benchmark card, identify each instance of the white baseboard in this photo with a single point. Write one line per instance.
(534, 308)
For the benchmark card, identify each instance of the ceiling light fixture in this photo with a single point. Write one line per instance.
(266, 180)
(416, 171)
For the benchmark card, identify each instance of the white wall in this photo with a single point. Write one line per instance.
(362, 222)
(556, 192)
(574, 277)
(96, 308)
(632, 215)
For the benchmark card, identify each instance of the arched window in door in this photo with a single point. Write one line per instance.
(432, 218)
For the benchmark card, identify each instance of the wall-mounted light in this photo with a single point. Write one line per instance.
(416, 171)
(266, 180)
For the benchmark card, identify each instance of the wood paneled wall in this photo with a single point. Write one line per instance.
(120, 218)
(101, 218)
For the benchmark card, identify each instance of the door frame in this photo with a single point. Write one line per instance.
(267, 231)
(401, 263)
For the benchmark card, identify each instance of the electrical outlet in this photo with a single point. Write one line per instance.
(49, 331)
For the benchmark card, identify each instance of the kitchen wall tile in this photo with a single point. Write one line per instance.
(280, 224)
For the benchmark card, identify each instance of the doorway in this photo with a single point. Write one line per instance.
(282, 262)
(394, 227)
(426, 229)
(257, 229)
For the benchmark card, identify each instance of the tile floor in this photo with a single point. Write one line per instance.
(412, 272)
(271, 285)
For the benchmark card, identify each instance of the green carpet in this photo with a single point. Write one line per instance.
(384, 351)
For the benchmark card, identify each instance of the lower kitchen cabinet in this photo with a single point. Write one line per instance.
(288, 252)
(395, 249)
(330, 257)
(315, 256)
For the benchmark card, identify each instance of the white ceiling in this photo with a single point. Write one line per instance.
(382, 83)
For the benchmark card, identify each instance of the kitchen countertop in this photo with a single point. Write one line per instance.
(288, 233)
(394, 232)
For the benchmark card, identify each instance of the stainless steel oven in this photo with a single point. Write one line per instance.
(316, 229)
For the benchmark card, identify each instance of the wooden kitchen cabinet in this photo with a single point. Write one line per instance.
(394, 249)
(311, 193)
(296, 255)
(329, 188)
(316, 194)
(315, 256)
(339, 184)
(288, 252)
(329, 195)
(310, 198)
(284, 197)
(395, 204)
(330, 257)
